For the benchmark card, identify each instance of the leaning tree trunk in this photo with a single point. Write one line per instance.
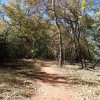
(60, 35)
(60, 50)
(94, 65)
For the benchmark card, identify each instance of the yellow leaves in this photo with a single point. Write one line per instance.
(73, 5)
(11, 3)
(88, 21)
(84, 4)
(2, 26)
(31, 3)
(94, 25)
(58, 10)
(98, 28)
(80, 17)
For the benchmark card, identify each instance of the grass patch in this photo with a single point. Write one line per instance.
(17, 81)
(85, 82)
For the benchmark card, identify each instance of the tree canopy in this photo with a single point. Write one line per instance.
(50, 29)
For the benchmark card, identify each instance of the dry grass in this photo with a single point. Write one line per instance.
(85, 82)
(15, 80)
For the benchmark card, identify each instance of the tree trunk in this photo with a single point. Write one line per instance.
(60, 51)
(95, 64)
(60, 36)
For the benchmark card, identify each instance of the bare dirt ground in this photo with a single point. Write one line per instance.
(43, 80)
(52, 85)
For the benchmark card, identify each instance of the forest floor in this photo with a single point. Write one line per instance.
(67, 83)
(52, 85)
(43, 80)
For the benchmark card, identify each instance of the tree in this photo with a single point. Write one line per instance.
(28, 26)
(60, 35)
(94, 41)
(38, 28)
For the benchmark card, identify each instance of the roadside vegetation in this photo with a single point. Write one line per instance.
(17, 79)
(86, 83)
(35, 31)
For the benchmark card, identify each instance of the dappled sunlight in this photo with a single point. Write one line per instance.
(85, 82)
(13, 79)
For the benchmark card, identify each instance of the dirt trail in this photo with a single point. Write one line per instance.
(52, 85)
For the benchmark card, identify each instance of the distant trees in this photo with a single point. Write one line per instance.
(72, 17)
(26, 26)
(67, 16)
(50, 29)
(94, 40)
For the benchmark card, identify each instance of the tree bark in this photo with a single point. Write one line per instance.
(60, 35)
(94, 65)
(60, 50)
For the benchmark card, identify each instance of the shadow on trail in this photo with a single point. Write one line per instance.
(55, 78)
(17, 70)
(12, 73)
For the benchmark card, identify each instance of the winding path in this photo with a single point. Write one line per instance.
(52, 85)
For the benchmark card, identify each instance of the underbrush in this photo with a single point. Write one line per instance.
(86, 83)
(17, 81)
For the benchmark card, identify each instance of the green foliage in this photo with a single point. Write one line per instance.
(94, 41)
(28, 29)
(84, 5)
